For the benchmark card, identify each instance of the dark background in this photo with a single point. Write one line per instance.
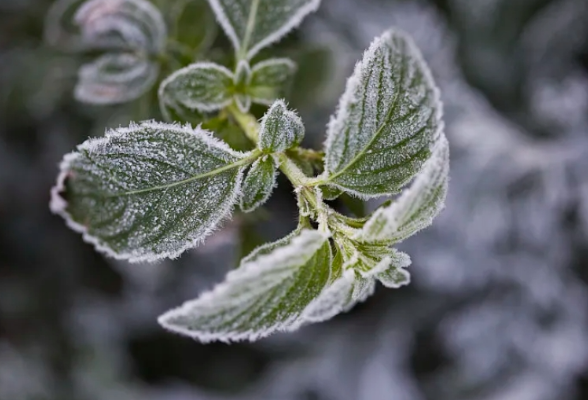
(498, 307)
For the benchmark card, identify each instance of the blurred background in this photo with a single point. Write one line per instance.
(498, 306)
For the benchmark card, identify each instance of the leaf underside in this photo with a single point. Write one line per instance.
(267, 293)
(148, 191)
(122, 24)
(418, 205)
(387, 120)
(259, 183)
(115, 78)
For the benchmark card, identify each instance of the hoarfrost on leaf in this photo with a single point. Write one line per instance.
(148, 191)
(254, 24)
(387, 120)
(202, 86)
(267, 293)
(259, 183)
(270, 80)
(418, 205)
(115, 78)
(122, 24)
(280, 128)
(130, 30)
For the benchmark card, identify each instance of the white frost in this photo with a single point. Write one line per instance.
(252, 25)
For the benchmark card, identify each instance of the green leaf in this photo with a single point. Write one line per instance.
(194, 26)
(254, 24)
(148, 191)
(280, 129)
(387, 120)
(115, 78)
(267, 293)
(349, 286)
(259, 183)
(270, 80)
(416, 208)
(202, 86)
(229, 132)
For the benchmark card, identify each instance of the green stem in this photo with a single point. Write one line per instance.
(251, 128)
(308, 154)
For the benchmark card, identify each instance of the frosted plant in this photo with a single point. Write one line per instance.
(152, 190)
(132, 33)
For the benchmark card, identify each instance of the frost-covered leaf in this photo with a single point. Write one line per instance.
(387, 120)
(280, 128)
(270, 80)
(392, 273)
(417, 206)
(115, 78)
(148, 191)
(259, 183)
(267, 293)
(201, 86)
(122, 24)
(348, 286)
(254, 24)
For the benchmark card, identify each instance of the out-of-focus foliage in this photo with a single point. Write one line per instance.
(498, 305)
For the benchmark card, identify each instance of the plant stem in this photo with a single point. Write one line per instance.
(309, 154)
(251, 128)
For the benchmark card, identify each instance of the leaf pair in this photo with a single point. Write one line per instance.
(153, 190)
(280, 130)
(131, 31)
(208, 87)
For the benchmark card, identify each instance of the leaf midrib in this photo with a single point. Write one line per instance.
(377, 133)
(244, 161)
(249, 29)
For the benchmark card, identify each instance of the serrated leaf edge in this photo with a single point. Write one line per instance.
(337, 121)
(439, 163)
(292, 23)
(58, 204)
(204, 107)
(257, 265)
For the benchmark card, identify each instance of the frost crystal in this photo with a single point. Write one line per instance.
(417, 206)
(148, 191)
(280, 129)
(254, 24)
(387, 121)
(201, 86)
(259, 183)
(268, 293)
